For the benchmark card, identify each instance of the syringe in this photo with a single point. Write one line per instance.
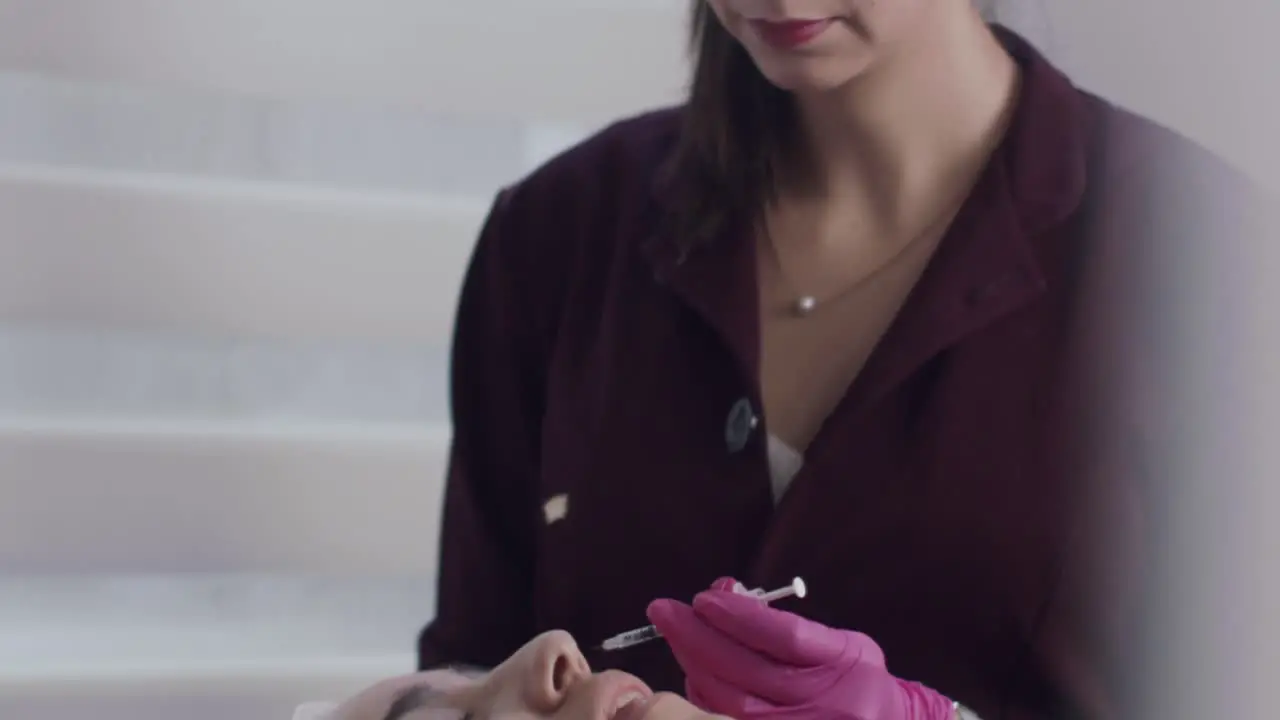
(650, 632)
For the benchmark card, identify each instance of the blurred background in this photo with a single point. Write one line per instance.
(231, 236)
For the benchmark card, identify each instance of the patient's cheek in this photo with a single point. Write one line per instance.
(510, 672)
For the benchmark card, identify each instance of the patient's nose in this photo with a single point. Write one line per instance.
(558, 666)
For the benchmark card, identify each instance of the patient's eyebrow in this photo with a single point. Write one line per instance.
(416, 698)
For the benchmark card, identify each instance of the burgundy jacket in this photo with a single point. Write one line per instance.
(982, 502)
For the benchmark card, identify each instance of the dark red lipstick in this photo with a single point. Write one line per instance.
(789, 34)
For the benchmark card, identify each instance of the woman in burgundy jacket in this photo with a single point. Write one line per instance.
(886, 304)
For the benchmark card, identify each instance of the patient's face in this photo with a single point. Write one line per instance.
(547, 678)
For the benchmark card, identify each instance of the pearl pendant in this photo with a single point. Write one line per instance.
(805, 305)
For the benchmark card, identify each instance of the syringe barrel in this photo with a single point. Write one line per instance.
(632, 637)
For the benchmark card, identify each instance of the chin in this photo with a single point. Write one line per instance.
(811, 75)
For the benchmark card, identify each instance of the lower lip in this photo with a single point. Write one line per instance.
(635, 710)
(790, 35)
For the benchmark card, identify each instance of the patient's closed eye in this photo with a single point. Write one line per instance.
(413, 699)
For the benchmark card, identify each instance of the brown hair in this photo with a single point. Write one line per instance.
(735, 129)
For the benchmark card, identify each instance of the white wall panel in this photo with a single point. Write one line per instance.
(106, 497)
(231, 215)
(243, 691)
(562, 60)
(171, 253)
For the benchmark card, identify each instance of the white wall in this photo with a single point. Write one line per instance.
(1209, 70)
(230, 239)
(231, 235)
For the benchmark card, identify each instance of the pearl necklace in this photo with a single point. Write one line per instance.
(804, 305)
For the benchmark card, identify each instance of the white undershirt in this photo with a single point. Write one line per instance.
(784, 463)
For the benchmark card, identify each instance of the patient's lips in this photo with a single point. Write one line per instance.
(635, 708)
(615, 693)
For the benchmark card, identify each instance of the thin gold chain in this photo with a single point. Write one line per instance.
(804, 304)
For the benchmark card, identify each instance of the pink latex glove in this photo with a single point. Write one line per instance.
(744, 659)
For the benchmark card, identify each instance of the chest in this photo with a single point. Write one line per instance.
(809, 360)
(940, 506)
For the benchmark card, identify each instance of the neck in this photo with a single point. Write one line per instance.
(917, 122)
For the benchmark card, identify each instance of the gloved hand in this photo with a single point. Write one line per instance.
(744, 659)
